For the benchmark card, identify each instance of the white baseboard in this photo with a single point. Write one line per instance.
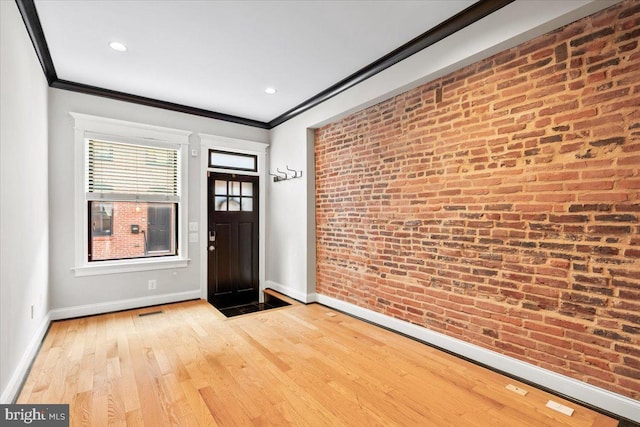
(125, 304)
(292, 293)
(592, 395)
(10, 393)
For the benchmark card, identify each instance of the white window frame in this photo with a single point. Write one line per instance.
(241, 146)
(93, 127)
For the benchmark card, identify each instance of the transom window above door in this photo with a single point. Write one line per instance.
(233, 161)
(233, 196)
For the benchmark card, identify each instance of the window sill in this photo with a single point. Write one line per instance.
(114, 267)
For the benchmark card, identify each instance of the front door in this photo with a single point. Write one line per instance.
(232, 240)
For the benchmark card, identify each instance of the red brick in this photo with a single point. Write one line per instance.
(632, 253)
(631, 161)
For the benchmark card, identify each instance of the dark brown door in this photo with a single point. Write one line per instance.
(232, 245)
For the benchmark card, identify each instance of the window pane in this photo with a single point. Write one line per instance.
(247, 204)
(221, 203)
(101, 218)
(247, 189)
(159, 228)
(234, 188)
(221, 187)
(137, 230)
(235, 161)
(234, 204)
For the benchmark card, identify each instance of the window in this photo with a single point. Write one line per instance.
(131, 192)
(140, 230)
(233, 161)
(233, 196)
(122, 172)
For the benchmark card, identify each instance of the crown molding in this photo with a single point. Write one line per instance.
(150, 102)
(32, 21)
(457, 22)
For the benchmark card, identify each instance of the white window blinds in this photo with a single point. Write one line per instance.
(119, 171)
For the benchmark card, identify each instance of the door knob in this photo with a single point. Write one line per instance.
(212, 248)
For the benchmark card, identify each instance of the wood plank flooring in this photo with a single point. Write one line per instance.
(296, 365)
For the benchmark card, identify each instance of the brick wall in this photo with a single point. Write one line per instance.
(500, 204)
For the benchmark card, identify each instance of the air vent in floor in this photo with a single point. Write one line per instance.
(150, 313)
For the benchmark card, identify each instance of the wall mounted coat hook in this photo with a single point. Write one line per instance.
(284, 176)
(295, 172)
(276, 178)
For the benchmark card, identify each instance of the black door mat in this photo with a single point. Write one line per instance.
(253, 307)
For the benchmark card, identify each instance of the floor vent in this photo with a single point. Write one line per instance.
(150, 313)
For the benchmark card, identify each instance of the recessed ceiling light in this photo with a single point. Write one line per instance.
(270, 90)
(118, 46)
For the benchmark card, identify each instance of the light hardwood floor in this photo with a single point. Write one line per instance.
(298, 365)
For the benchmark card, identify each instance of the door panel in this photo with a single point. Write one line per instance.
(222, 277)
(232, 268)
(245, 252)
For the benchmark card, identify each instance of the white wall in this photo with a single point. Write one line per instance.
(71, 295)
(291, 245)
(24, 210)
(287, 217)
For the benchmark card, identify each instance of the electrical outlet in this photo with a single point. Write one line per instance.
(152, 284)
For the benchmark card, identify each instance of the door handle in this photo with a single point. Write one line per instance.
(212, 248)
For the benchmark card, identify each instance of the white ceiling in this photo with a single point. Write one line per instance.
(221, 55)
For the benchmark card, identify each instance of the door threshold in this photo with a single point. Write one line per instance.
(269, 303)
